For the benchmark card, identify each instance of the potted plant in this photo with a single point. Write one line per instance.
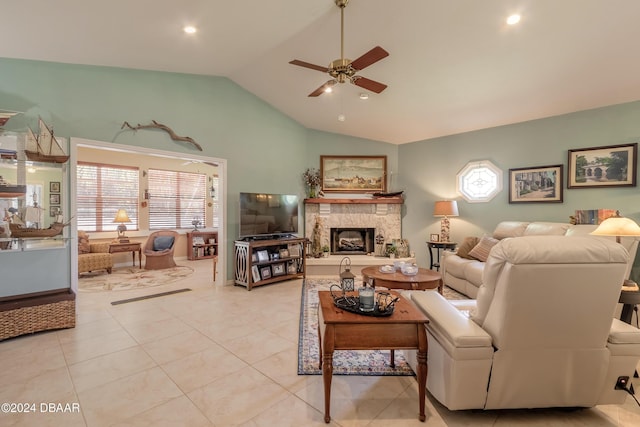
(392, 251)
(325, 251)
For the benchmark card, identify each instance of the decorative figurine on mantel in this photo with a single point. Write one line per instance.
(316, 246)
(380, 248)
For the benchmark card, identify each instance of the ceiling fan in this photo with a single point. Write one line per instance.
(344, 69)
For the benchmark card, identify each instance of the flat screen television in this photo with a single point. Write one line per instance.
(263, 215)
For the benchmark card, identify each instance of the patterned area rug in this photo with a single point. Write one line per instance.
(345, 362)
(125, 279)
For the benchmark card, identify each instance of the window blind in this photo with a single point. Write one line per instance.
(175, 198)
(102, 190)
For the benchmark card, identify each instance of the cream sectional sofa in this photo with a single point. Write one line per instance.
(465, 275)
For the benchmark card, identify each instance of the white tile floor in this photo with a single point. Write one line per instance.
(216, 356)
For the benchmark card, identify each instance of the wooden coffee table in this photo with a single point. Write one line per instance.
(424, 279)
(342, 330)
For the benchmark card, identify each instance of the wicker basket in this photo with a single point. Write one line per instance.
(25, 314)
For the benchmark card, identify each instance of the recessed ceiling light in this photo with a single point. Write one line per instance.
(341, 117)
(513, 19)
(364, 96)
(190, 29)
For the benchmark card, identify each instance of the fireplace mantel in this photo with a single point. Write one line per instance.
(380, 200)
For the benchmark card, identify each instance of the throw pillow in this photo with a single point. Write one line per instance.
(162, 243)
(482, 249)
(83, 242)
(468, 244)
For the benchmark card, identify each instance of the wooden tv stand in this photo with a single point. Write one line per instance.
(261, 262)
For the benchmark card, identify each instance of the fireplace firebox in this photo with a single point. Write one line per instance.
(352, 241)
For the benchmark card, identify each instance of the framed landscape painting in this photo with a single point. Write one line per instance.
(353, 174)
(536, 184)
(612, 166)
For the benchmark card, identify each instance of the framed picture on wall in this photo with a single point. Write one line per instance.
(54, 187)
(54, 199)
(612, 166)
(537, 184)
(353, 174)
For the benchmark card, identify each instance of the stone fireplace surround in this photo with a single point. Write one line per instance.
(383, 215)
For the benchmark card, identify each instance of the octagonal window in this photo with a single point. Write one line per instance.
(479, 181)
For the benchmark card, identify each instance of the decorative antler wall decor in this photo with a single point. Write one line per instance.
(165, 128)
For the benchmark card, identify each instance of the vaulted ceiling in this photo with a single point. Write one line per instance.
(454, 65)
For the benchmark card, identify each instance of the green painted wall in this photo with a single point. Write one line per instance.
(267, 151)
(428, 171)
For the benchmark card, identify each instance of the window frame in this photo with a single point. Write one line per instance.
(486, 168)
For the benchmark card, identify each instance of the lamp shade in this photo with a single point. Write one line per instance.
(617, 226)
(121, 216)
(446, 208)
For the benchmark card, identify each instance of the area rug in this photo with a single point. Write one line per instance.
(125, 279)
(345, 362)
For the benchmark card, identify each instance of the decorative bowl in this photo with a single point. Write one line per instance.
(409, 270)
(387, 269)
(398, 264)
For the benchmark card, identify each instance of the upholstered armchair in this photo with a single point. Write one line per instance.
(158, 250)
(541, 333)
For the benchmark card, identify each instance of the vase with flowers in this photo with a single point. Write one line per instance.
(311, 179)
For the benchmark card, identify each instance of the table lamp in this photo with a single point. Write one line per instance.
(617, 226)
(445, 209)
(121, 218)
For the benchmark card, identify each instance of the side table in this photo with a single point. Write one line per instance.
(439, 247)
(628, 299)
(128, 247)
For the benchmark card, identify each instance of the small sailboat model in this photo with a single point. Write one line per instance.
(10, 190)
(44, 147)
(20, 230)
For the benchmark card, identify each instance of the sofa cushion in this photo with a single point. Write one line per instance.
(468, 244)
(83, 242)
(547, 229)
(473, 272)
(161, 243)
(482, 249)
(509, 229)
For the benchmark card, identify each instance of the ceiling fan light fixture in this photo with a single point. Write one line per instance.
(344, 70)
(328, 89)
(364, 95)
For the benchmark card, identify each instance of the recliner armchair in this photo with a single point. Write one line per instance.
(158, 250)
(541, 332)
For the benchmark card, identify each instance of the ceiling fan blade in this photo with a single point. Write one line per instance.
(368, 84)
(308, 65)
(322, 89)
(371, 57)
